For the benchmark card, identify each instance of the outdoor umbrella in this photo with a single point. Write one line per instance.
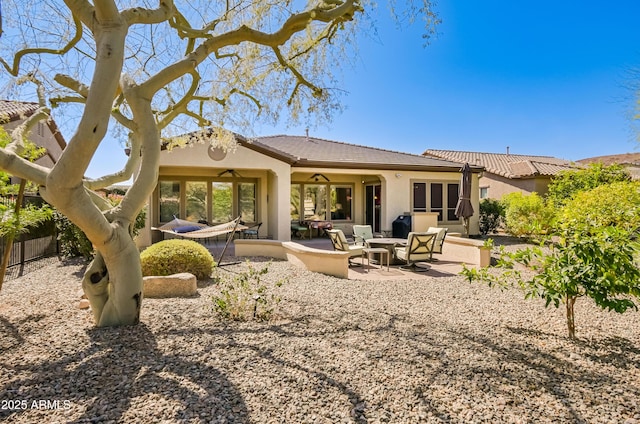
(464, 209)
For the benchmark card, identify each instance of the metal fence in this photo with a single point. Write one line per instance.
(25, 250)
(39, 243)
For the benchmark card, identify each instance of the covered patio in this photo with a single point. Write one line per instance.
(447, 264)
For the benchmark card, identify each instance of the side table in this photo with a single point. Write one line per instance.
(368, 251)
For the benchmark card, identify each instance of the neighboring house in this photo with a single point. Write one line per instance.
(631, 161)
(508, 173)
(45, 134)
(283, 179)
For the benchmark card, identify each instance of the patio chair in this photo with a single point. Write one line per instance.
(253, 231)
(361, 233)
(437, 245)
(419, 248)
(340, 243)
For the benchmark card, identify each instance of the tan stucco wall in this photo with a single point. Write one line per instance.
(42, 136)
(499, 186)
(397, 190)
(275, 178)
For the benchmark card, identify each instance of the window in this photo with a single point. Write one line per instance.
(453, 194)
(295, 202)
(484, 192)
(341, 203)
(247, 201)
(442, 199)
(222, 202)
(169, 193)
(315, 201)
(196, 198)
(321, 201)
(419, 197)
(207, 200)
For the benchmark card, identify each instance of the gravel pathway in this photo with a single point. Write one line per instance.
(438, 350)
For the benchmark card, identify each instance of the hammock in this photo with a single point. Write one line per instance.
(188, 229)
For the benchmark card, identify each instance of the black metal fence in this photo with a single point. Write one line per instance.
(26, 249)
(39, 242)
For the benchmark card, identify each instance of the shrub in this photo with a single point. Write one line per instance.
(174, 256)
(616, 204)
(247, 296)
(491, 215)
(566, 184)
(73, 241)
(527, 216)
(594, 254)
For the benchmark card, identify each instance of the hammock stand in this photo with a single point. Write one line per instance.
(203, 232)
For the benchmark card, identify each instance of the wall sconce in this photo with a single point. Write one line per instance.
(398, 175)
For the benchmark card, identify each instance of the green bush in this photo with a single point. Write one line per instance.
(74, 242)
(174, 256)
(594, 253)
(616, 204)
(491, 215)
(527, 216)
(566, 184)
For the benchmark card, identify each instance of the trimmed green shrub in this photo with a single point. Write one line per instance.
(174, 256)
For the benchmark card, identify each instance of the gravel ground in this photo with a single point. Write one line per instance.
(438, 350)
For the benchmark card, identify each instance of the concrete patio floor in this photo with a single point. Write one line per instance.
(443, 267)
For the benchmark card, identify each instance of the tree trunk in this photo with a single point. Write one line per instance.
(571, 324)
(113, 281)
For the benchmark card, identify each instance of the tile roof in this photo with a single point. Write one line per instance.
(15, 110)
(315, 152)
(508, 165)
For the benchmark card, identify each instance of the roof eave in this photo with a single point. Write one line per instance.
(305, 163)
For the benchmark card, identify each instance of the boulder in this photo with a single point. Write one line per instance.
(183, 284)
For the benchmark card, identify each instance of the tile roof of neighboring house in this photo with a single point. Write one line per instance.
(508, 165)
(15, 111)
(314, 152)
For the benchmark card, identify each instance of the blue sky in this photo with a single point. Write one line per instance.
(544, 78)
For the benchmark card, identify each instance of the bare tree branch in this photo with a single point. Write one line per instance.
(15, 68)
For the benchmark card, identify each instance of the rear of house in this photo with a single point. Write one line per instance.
(283, 179)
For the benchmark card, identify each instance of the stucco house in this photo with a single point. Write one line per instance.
(282, 179)
(45, 134)
(507, 173)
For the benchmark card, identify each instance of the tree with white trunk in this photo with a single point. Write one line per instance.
(154, 70)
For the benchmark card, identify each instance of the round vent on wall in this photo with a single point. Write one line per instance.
(216, 153)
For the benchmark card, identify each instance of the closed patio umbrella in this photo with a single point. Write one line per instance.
(464, 208)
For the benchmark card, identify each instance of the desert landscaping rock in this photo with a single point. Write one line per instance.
(436, 350)
(183, 284)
